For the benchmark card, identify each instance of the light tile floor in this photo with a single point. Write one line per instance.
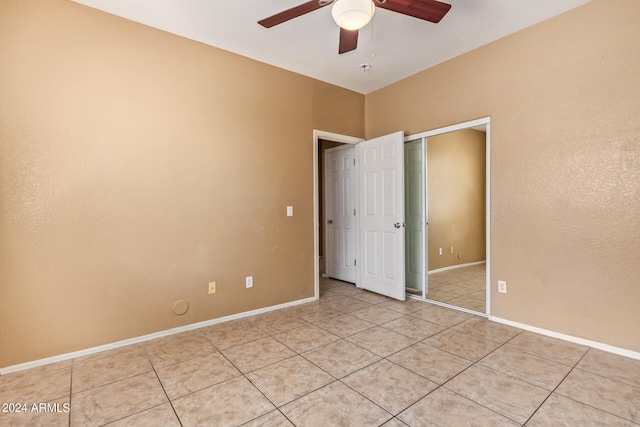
(352, 359)
(464, 287)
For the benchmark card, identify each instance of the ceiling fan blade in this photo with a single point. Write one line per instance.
(428, 10)
(348, 40)
(294, 12)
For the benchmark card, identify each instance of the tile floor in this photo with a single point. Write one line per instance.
(464, 287)
(352, 359)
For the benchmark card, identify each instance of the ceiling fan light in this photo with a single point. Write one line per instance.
(352, 14)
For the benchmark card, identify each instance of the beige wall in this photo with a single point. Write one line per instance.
(565, 163)
(456, 183)
(137, 166)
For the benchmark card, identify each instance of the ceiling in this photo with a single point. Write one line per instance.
(396, 46)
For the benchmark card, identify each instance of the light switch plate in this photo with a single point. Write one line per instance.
(289, 210)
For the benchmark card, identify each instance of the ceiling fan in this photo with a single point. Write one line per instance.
(351, 15)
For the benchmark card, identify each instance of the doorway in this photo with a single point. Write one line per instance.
(321, 142)
(379, 222)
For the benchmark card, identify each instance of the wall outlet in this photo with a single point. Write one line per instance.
(440, 251)
(212, 288)
(451, 249)
(249, 282)
(502, 286)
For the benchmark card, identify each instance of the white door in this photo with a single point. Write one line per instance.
(340, 211)
(381, 180)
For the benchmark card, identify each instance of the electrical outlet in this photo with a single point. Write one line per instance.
(502, 286)
(440, 251)
(249, 282)
(212, 288)
(451, 249)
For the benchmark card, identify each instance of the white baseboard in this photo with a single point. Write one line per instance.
(118, 344)
(597, 345)
(453, 267)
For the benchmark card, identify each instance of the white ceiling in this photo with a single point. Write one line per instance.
(396, 46)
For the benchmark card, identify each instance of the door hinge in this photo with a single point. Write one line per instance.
(354, 263)
(354, 161)
(354, 212)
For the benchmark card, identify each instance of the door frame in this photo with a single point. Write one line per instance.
(334, 137)
(486, 121)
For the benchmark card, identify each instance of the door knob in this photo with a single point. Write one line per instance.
(397, 225)
(330, 221)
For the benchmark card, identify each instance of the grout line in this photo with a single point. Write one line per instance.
(165, 392)
(365, 397)
(575, 367)
(556, 387)
(477, 362)
(480, 404)
(473, 363)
